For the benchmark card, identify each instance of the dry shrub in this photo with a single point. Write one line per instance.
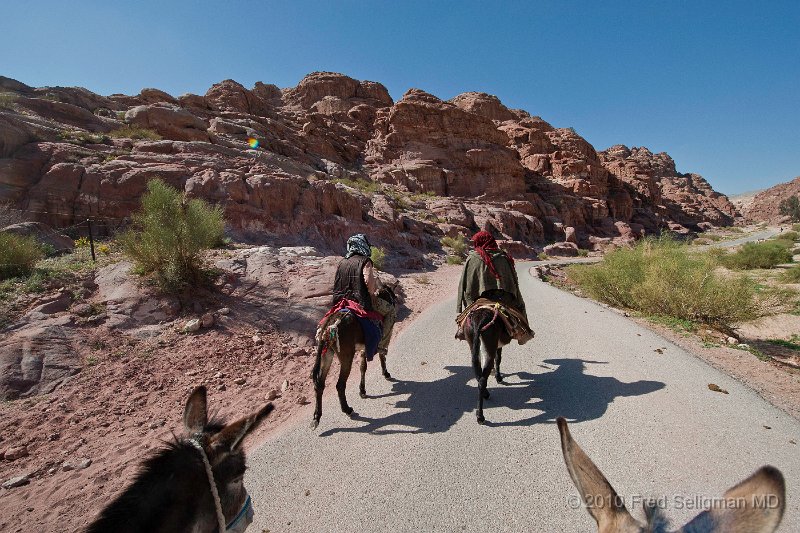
(662, 277)
(18, 255)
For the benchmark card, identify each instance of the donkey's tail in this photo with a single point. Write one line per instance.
(322, 345)
(479, 321)
(327, 339)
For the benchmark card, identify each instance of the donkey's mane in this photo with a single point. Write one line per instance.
(166, 477)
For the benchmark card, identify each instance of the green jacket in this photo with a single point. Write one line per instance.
(477, 278)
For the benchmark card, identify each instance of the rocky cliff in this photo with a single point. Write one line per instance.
(338, 155)
(765, 206)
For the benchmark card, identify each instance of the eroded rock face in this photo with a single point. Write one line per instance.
(765, 207)
(688, 199)
(442, 167)
(43, 234)
(170, 121)
(429, 145)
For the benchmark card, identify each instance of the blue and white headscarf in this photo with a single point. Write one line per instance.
(358, 245)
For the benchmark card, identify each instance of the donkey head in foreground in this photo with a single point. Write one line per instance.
(193, 484)
(756, 504)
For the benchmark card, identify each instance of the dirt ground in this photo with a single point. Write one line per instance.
(83, 442)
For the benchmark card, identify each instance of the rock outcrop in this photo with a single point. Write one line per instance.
(685, 199)
(765, 206)
(338, 155)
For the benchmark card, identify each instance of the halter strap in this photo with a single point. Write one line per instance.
(214, 493)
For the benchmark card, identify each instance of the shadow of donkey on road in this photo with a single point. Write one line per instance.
(436, 406)
(567, 391)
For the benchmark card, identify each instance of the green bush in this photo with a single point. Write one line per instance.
(7, 99)
(790, 207)
(791, 236)
(82, 138)
(378, 256)
(169, 235)
(134, 132)
(455, 260)
(663, 278)
(792, 275)
(18, 255)
(457, 244)
(368, 187)
(766, 254)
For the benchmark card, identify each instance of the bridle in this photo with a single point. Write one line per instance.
(215, 494)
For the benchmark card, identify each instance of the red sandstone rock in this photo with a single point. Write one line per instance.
(170, 121)
(765, 207)
(489, 166)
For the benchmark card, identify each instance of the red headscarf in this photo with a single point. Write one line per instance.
(483, 243)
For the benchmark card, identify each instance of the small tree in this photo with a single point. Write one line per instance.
(169, 235)
(790, 207)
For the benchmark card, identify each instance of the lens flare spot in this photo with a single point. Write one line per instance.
(252, 142)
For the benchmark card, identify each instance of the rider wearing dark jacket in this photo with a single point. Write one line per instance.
(356, 280)
(488, 268)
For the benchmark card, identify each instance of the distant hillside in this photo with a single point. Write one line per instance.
(744, 200)
(333, 156)
(765, 205)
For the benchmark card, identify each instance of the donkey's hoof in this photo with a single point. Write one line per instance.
(363, 394)
(387, 376)
(499, 378)
(348, 411)
(314, 424)
(352, 414)
(481, 420)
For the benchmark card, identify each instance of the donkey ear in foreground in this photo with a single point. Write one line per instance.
(755, 505)
(600, 498)
(232, 435)
(195, 415)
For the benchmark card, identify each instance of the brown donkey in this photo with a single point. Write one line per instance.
(193, 484)
(755, 505)
(342, 335)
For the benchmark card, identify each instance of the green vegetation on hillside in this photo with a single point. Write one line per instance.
(134, 132)
(169, 235)
(790, 207)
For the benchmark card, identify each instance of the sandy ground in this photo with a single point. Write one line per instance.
(130, 399)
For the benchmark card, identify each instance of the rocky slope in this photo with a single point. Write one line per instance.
(765, 206)
(338, 155)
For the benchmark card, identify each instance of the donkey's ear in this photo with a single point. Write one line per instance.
(231, 436)
(757, 504)
(195, 415)
(600, 498)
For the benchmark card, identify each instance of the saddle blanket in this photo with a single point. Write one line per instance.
(515, 322)
(370, 322)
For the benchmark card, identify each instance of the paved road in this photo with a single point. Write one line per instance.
(416, 460)
(759, 235)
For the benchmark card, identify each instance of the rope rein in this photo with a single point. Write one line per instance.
(494, 317)
(214, 493)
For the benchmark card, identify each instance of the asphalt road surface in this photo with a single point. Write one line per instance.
(416, 460)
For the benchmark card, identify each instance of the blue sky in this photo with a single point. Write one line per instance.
(715, 84)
